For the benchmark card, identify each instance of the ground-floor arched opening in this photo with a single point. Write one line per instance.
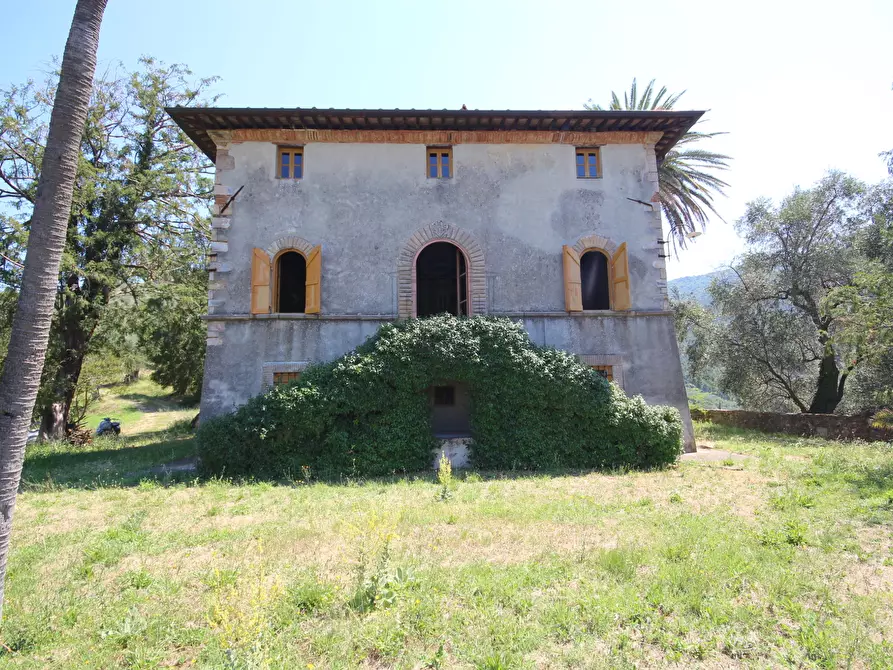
(441, 280)
(450, 404)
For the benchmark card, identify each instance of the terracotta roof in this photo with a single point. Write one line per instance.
(197, 121)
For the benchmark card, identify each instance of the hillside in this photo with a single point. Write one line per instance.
(695, 286)
(702, 395)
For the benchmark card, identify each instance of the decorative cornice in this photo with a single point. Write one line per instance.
(393, 317)
(287, 136)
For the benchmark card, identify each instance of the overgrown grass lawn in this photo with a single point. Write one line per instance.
(782, 558)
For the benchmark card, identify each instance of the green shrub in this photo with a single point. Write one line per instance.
(367, 413)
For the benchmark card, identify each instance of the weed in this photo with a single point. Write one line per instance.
(436, 660)
(620, 563)
(795, 532)
(243, 618)
(497, 661)
(308, 597)
(218, 578)
(125, 632)
(379, 585)
(137, 579)
(445, 477)
(791, 499)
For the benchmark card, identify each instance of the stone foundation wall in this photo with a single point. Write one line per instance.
(832, 426)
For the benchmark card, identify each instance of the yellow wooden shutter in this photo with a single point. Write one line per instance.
(314, 276)
(573, 290)
(620, 262)
(260, 282)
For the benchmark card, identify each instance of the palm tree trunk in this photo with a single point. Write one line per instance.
(49, 223)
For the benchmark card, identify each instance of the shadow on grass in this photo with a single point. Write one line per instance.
(147, 402)
(130, 461)
(120, 461)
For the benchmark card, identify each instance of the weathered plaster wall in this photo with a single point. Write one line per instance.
(364, 202)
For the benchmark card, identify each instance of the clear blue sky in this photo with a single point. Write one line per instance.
(800, 86)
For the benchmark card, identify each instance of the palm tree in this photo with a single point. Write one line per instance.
(687, 182)
(49, 223)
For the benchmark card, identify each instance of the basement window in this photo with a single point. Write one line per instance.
(290, 162)
(606, 371)
(444, 396)
(440, 162)
(281, 378)
(589, 163)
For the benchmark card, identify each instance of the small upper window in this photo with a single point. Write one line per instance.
(440, 162)
(589, 164)
(291, 163)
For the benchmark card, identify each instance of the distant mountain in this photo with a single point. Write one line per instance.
(695, 286)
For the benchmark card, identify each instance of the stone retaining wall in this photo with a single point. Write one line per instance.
(832, 426)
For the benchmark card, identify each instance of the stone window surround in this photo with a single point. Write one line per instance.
(439, 231)
(290, 242)
(596, 242)
(274, 251)
(614, 360)
(269, 369)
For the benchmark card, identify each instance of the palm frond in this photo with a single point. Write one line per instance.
(687, 183)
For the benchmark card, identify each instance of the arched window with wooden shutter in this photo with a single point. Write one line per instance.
(260, 282)
(314, 280)
(573, 293)
(620, 266)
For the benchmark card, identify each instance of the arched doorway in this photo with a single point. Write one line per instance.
(441, 280)
(595, 280)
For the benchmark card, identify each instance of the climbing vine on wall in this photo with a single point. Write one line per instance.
(367, 413)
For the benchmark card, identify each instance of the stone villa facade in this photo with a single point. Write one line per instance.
(329, 223)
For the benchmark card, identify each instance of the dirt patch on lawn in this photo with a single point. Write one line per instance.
(708, 453)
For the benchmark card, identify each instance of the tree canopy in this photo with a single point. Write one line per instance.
(138, 216)
(782, 326)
